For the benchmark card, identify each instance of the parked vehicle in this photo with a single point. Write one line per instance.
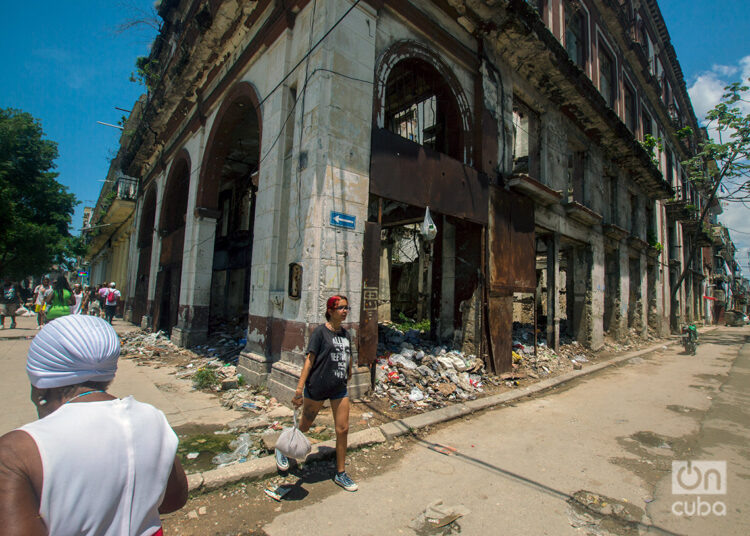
(735, 318)
(690, 338)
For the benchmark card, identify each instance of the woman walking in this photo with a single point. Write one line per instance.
(41, 293)
(61, 299)
(327, 369)
(77, 307)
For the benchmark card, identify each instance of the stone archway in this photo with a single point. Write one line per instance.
(227, 192)
(172, 232)
(413, 70)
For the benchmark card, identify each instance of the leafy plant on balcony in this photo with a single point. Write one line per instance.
(650, 144)
(653, 241)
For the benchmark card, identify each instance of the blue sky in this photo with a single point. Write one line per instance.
(68, 66)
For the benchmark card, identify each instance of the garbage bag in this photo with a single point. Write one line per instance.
(428, 230)
(292, 442)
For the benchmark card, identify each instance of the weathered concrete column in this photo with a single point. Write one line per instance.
(596, 330)
(195, 291)
(587, 294)
(329, 157)
(553, 291)
(147, 320)
(643, 296)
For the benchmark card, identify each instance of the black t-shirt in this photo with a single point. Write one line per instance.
(330, 370)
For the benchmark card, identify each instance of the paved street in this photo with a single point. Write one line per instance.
(613, 434)
(156, 386)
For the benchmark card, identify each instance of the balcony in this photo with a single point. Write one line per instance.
(582, 213)
(680, 210)
(524, 184)
(121, 200)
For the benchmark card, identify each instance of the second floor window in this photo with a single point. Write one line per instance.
(631, 117)
(576, 41)
(607, 77)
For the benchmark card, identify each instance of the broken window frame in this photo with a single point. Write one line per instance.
(607, 75)
(527, 121)
(577, 191)
(630, 108)
(576, 32)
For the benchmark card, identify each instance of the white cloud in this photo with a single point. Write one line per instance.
(705, 93)
(724, 70)
(708, 87)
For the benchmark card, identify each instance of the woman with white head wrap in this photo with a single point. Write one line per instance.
(92, 464)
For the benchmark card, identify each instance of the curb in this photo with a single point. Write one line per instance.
(266, 466)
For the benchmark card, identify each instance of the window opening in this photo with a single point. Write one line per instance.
(421, 107)
(607, 77)
(575, 33)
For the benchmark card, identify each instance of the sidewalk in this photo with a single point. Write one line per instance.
(156, 386)
(266, 467)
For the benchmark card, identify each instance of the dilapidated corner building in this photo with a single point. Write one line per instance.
(287, 147)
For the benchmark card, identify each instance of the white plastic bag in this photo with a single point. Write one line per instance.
(428, 230)
(292, 443)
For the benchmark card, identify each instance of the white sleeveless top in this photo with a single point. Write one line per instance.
(106, 466)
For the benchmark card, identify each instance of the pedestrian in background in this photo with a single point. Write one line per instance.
(76, 308)
(326, 371)
(102, 294)
(92, 464)
(92, 301)
(111, 297)
(61, 299)
(41, 293)
(10, 301)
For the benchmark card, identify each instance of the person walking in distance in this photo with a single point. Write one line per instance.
(94, 307)
(41, 293)
(10, 301)
(78, 294)
(111, 298)
(61, 299)
(327, 369)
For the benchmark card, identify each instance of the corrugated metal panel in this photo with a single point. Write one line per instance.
(404, 171)
(512, 248)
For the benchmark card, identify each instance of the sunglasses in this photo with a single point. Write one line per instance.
(342, 308)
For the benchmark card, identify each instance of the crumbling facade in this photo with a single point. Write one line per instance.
(285, 147)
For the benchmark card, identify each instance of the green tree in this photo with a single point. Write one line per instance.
(721, 167)
(35, 209)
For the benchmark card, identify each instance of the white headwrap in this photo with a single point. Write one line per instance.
(73, 349)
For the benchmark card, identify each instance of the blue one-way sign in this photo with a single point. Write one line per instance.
(339, 219)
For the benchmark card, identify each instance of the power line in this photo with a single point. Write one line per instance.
(309, 52)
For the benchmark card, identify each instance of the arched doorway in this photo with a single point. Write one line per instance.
(420, 157)
(145, 241)
(228, 188)
(172, 232)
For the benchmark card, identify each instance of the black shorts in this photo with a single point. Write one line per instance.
(337, 396)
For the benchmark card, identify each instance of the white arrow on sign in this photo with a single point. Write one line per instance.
(339, 219)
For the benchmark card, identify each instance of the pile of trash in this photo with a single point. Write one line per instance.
(224, 343)
(144, 344)
(416, 374)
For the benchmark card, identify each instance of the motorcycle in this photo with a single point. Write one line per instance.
(690, 339)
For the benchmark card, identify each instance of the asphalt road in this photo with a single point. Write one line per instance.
(593, 457)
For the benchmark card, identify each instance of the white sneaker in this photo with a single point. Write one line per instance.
(282, 462)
